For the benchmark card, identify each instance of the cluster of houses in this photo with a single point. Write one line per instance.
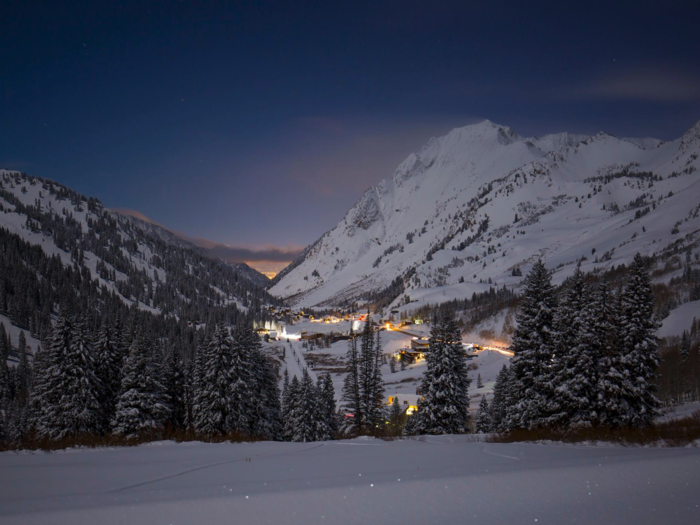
(419, 346)
(286, 313)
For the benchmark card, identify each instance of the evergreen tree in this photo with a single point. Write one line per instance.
(23, 371)
(80, 402)
(640, 346)
(413, 425)
(397, 418)
(310, 423)
(212, 399)
(142, 405)
(4, 344)
(367, 362)
(577, 352)
(267, 411)
(479, 383)
(371, 382)
(445, 406)
(685, 347)
(44, 393)
(242, 383)
(109, 361)
(174, 378)
(291, 408)
(196, 379)
(66, 397)
(483, 423)
(613, 381)
(497, 409)
(5, 385)
(11, 424)
(351, 388)
(327, 393)
(533, 348)
(285, 393)
(5, 378)
(3, 429)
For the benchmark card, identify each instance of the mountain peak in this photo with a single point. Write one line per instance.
(484, 129)
(445, 220)
(691, 137)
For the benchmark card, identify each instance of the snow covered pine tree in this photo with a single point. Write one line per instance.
(483, 424)
(640, 346)
(533, 347)
(142, 406)
(444, 408)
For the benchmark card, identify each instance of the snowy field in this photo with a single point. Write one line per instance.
(436, 481)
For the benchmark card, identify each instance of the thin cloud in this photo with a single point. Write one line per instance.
(648, 84)
(344, 156)
(266, 253)
(230, 253)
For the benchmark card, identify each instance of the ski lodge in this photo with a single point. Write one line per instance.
(408, 402)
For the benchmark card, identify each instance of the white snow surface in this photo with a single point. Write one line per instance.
(563, 214)
(680, 319)
(442, 480)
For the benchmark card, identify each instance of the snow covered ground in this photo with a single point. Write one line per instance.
(440, 480)
(680, 319)
(679, 411)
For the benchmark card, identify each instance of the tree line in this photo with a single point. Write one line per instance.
(116, 382)
(588, 358)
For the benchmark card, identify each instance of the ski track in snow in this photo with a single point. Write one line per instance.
(294, 368)
(452, 481)
(491, 453)
(195, 469)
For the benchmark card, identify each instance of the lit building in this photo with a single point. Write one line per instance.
(408, 402)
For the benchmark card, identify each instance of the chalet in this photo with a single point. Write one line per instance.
(420, 344)
(409, 402)
(305, 336)
(409, 356)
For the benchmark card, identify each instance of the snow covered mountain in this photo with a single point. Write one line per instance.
(138, 262)
(480, 204)
(175, 239)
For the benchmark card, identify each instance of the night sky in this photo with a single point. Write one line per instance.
(259, 124)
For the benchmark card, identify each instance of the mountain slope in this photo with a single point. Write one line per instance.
(109, 256)
(482, 201)
(170, 237)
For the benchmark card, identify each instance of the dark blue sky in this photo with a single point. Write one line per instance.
(257, 123)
